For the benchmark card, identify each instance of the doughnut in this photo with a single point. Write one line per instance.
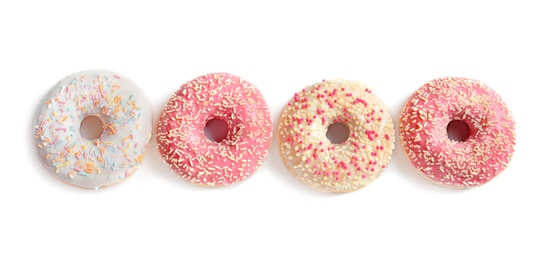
(126, 116)
(336, 167)
(471, 161)
(186, 149)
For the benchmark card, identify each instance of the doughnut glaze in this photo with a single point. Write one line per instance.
(313, 159)
(181, 137)
(125, 112)
(475, 161)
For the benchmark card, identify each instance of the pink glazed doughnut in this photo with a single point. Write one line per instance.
(186, 149)
(474, 161)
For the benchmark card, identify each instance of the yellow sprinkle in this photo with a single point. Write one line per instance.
(139, 158)
(111, 128)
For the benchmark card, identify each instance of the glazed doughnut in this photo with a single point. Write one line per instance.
(313, 159)
(471, 162)
(126, 116)
(181, 137)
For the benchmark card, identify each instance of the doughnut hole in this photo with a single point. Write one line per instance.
(458, 130)
(337, 133)
(91, 127)
(216, 130)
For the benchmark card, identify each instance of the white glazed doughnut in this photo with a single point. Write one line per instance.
(125, 113)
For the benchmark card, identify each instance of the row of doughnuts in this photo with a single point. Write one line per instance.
(123, 113)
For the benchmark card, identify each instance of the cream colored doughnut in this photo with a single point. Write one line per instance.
(325, 166)
(125, 112)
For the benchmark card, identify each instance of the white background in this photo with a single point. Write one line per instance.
(281, 47)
